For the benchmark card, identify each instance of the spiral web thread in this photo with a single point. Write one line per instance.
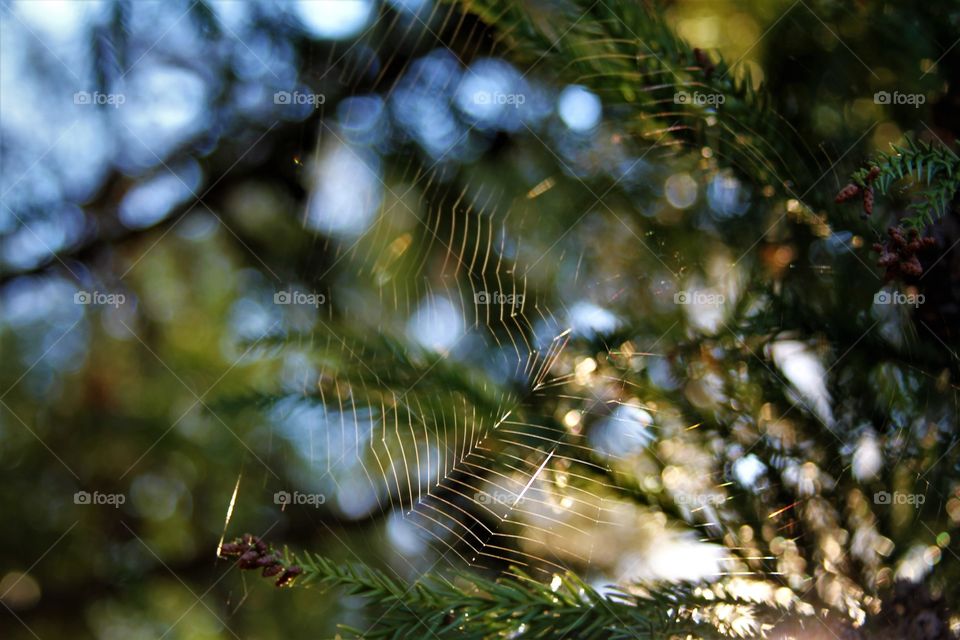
(488, 471)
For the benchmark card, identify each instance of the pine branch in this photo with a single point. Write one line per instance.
(473, 607)
(931, 172)
(663, 91)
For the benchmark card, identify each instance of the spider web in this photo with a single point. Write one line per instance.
(491, 442)
(477, 467)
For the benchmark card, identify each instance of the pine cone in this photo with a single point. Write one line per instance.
(888, 259)
(289, 575)
(269, 572)
(255, 554)
(899, 255)
(249, 559)
(848, 192)
(912, 267)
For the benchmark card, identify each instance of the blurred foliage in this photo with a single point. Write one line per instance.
(657, 443)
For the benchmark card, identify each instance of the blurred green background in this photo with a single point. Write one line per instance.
(193, 160)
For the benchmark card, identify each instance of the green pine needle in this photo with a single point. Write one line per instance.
(472, 607)
(928, 172)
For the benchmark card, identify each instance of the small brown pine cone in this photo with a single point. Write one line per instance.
(912, 267)
(868, 201)
(888, 259)
(848, 192)
(249, 559)
(289, 575)
(896, 234)
(272, 570)
(266, 561)
(874, 172)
